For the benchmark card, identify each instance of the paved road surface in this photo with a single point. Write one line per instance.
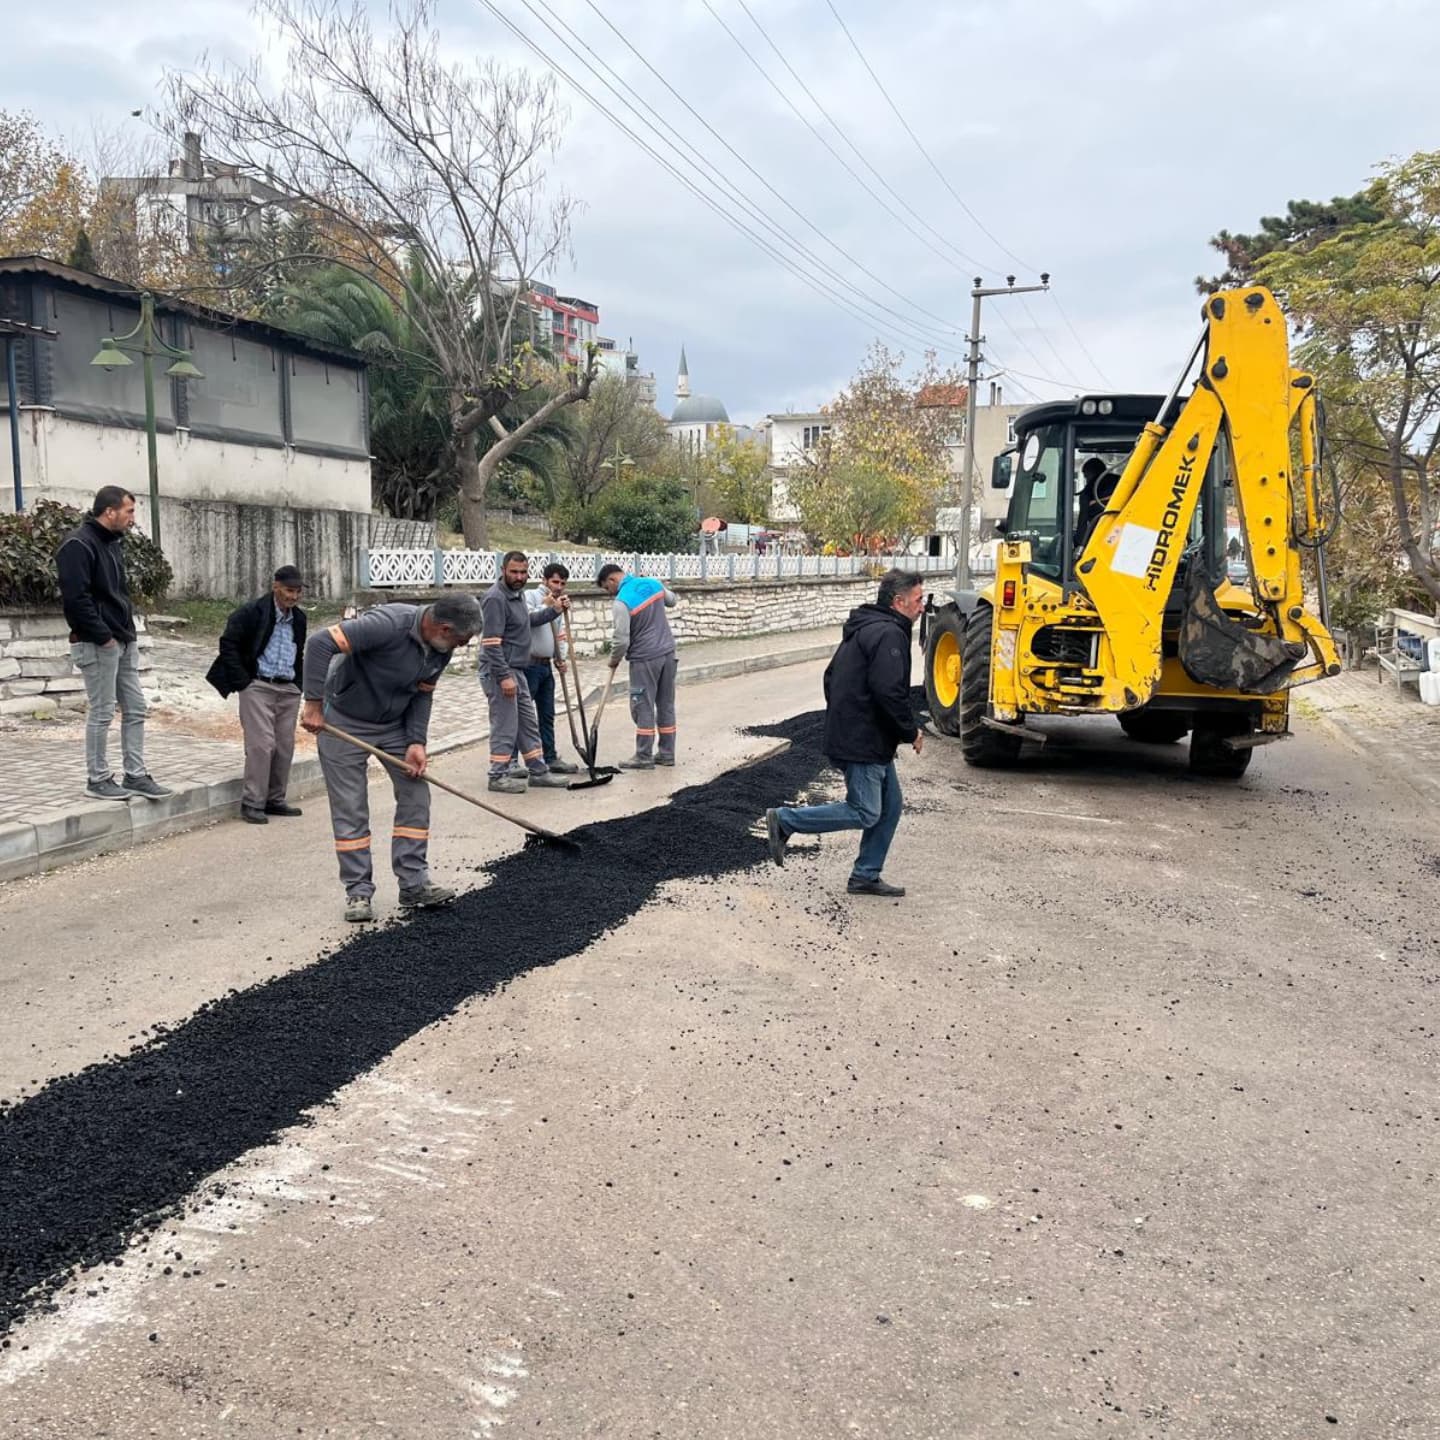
(1123, 1123)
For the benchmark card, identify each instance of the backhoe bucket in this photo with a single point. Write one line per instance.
(1216, 650)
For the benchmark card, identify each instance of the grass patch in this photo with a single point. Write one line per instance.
(207, 617)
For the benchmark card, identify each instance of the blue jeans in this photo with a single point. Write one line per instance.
(872, 803)
(540, 681)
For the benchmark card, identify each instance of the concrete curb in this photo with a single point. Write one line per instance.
(57, 837)
(1360, 740)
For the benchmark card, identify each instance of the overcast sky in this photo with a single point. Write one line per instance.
(1103, 140)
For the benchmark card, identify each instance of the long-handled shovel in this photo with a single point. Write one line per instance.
(599, 775)
(396, 763)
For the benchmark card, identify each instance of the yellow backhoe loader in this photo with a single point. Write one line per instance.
(1150, 563)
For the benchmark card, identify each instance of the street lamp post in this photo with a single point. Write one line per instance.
(147, 344)
(618, 461)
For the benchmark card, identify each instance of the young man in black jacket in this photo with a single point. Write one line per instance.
(867, 718)
(261, 655)
(102, 645)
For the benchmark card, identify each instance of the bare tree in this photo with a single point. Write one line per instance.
(431, 176)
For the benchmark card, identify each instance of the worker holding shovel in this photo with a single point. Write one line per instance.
(374, 677)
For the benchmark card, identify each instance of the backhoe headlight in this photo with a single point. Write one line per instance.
(1087, 407)
(1107, 407)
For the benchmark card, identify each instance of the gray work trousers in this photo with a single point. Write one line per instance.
(514, 724)
(112, 676)
(346, 786)
(652, 704)
(267, 717)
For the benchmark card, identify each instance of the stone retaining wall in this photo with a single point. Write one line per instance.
(706, 611)
(37, 676)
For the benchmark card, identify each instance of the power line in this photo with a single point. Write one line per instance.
(758, 240)
(948, 327)
(960, 201)
(850, 170)
(1085, 349)
(980, 224)
(913, 329)
(839, 158)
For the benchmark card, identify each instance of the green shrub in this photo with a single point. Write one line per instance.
(650, 514)
(28, 543)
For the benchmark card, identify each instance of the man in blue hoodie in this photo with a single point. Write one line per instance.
(643, 636)
(867, 718)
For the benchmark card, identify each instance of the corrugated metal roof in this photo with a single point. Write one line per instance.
(172, 305)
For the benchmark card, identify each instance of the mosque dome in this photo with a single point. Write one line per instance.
(700, 410)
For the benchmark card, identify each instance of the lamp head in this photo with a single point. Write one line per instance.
(111, 355)
(184, 368)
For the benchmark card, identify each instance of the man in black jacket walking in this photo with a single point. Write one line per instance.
(867, 718)
(102, 645)
(261, 655)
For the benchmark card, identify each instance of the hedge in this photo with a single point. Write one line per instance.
(28, 543)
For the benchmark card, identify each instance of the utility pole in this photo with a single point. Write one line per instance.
(972, 384)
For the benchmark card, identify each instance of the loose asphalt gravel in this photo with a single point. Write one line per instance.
(115, 1148)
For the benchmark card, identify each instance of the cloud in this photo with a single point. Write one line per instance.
(1098, 140)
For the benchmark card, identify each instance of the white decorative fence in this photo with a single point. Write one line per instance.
(429, 569)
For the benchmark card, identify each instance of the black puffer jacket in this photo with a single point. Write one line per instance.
(867, 689)
(92, 585)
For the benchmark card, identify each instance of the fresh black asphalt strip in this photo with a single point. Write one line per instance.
(94, 1157)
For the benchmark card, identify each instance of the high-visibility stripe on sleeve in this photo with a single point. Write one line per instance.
(338, 635)
(493, 640)
(410, 832)
(345, 846)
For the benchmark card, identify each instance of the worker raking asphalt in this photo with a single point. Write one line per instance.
(95, 1156)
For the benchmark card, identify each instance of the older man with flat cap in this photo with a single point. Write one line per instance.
(261, 659)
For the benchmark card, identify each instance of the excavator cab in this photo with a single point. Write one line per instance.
(1150, 561)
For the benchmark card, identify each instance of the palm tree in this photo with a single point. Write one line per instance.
(415, 469)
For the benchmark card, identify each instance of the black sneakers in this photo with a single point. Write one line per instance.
(106, 790)
(144, 785)
(875, 887)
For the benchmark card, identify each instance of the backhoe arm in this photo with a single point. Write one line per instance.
(1246, 397)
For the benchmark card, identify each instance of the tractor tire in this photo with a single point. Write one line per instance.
(944, 644)
(1155, 727)
(980, 744)
(1211, 758)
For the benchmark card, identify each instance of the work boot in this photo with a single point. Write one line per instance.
(359, 909)
(289, 811)
(106, 789)
(638, 762)
(548, 780)
(563, 767)
(509, 783)
(251, 816)
(519, 767)
(425, 897)
(144, 785)
(667, 760)
(776, 836)
(857, 886)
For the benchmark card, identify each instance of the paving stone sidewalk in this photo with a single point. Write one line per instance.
(46, 820)
(1385, 722)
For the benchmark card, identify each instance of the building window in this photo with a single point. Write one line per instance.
(812, 436)
(955, 435)
(1009, 429)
